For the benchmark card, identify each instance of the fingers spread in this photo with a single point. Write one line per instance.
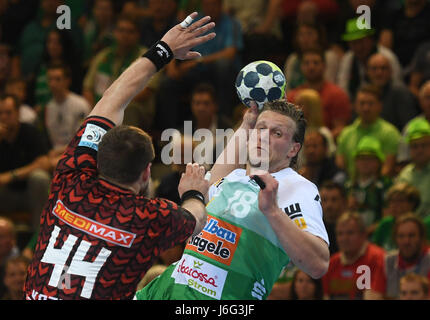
(198, 23)
(197, 41)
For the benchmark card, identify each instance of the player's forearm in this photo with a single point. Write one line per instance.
(233, 156)
(308, 252)
(117, 97)
(198, 210)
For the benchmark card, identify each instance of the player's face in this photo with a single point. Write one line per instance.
(411, 290)
(408, 240)
(280, 147)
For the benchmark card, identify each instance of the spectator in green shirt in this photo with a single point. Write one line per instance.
(367, 189)
(417, 173)
(368, 107)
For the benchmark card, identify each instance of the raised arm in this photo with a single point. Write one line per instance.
(134, 79)
(229, 159)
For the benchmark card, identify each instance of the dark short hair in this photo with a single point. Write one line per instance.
(370, 89)
(296, 114)
(130, 19)
(318, 27)
(67, 72)
(317, 51)
(205, 88)
(124, 153)
(330, 185)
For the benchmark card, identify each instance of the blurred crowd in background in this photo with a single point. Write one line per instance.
(365, 93)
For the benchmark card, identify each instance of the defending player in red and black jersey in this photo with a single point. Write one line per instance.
(98, 233)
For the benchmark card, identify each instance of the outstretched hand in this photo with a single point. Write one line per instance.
(181, 40)
(193, 179)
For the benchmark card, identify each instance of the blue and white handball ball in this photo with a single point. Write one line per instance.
(260, 81)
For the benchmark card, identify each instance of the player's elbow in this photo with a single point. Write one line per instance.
(319, 263)
(319, 269)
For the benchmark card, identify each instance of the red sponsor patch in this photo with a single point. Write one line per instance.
(92, 227)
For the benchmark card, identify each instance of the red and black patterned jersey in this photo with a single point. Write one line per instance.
(97, 239)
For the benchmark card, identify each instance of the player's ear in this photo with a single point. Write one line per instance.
(294, 149)
(146, 174)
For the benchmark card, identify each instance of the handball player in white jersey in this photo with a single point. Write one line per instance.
(253, 229)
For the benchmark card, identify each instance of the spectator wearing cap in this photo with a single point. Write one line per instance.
(400, 199)
(368, 107)
(403, 156)
(366, 190)
(417, 173)
(362, 44)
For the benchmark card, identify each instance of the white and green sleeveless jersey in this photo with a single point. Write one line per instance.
(238, 255)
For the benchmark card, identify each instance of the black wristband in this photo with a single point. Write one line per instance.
(160, 54)
(193, 194)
